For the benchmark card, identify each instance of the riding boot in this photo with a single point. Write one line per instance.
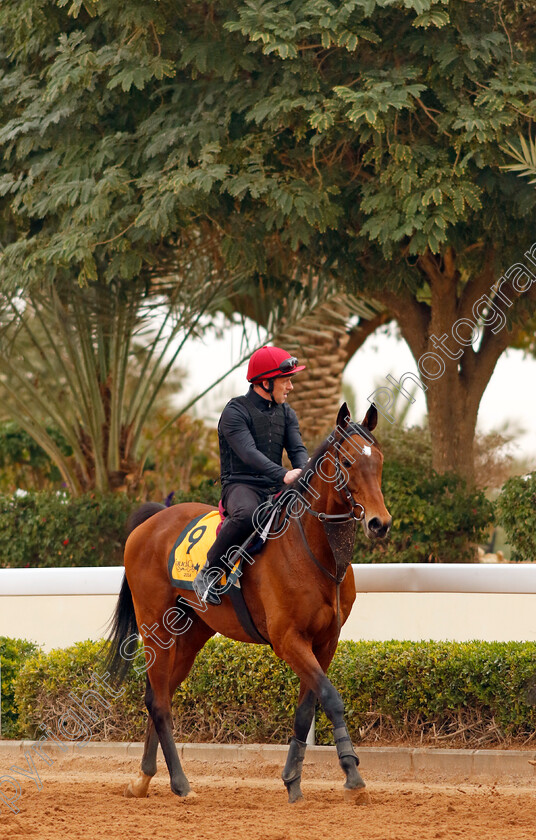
(206, 582)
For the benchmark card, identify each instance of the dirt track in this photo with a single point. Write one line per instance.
(82, 799)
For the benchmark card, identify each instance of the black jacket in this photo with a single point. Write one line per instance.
(253, 433)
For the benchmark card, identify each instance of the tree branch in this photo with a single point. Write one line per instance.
(478, 285)
(493, 344)
(412, 317)
(359, 333)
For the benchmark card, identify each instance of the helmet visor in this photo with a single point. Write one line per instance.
(286, 366)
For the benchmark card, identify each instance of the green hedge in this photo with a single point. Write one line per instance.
(440, 692)
(53, 529)
(516, 508)
(50, 529)
(13, 652)
(435, 519)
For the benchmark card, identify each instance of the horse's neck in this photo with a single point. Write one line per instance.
(322, 496)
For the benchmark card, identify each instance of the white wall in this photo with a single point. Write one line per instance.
(58, 620)
(61, 620)
(55, 620)
(454, 616)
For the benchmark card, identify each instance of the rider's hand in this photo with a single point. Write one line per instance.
(291, 475)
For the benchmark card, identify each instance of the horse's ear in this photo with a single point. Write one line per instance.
(371, 418)
(343, 417)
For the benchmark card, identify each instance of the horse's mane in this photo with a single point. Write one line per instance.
(308, 471)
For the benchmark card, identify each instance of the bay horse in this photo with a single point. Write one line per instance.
(299, 592)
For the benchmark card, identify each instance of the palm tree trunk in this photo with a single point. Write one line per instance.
(325, 342)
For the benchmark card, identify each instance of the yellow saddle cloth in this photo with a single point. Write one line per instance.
(189, 552)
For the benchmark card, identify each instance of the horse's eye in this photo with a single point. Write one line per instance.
(346, 463)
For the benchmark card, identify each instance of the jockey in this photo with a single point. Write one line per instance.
(253, 431)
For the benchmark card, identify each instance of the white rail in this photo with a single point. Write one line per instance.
(383, 577)
(492, 578)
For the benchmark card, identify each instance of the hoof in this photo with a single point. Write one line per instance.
(183, 791)
(130, 794)
(138, 789)
(356, 796)
(294, 792)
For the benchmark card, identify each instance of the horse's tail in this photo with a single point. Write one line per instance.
(123, 622)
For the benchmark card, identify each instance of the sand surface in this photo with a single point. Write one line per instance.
(81, 798)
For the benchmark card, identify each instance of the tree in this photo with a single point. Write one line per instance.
(83, 264)
(90, 363)
(359, 139)
(407, 140)
(524, 153)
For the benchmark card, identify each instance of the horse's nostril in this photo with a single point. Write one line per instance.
(378, 528)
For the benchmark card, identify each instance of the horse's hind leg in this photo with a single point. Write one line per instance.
(138, 787)
(296, 753)
(159, 692)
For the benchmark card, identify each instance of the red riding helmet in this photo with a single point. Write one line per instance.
(271, 362)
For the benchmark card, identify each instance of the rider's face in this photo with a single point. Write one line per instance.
(282, 388)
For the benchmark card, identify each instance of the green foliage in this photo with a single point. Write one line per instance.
(237, 692)
(515, 507)
(356, 139)
(23, 463)
(208, 492)
(53, 529)
(47, 529)
(83, 368)
(409, 447)
(184, 458)
(525, 154)
(436, 518)
(44, 684)
(381, 120)
(13, 653)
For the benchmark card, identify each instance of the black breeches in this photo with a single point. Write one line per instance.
(240, 502)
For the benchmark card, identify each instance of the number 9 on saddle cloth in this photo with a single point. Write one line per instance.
(190, 549)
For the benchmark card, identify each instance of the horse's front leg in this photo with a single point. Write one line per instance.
(299, 655)
(302, 723)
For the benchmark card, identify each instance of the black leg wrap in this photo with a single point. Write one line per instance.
(343, 743)
(294, 763)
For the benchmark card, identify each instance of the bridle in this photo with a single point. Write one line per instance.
(342, 489)
(334, 519)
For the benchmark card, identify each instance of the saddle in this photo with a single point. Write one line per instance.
(189, 553)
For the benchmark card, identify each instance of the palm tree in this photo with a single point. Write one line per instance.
(525, 155)
(90, 363)
(326, 339)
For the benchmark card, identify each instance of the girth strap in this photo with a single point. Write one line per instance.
(244, 616)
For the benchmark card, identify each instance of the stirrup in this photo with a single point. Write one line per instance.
(203, 587)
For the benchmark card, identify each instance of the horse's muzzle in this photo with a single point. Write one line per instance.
(378, 530)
